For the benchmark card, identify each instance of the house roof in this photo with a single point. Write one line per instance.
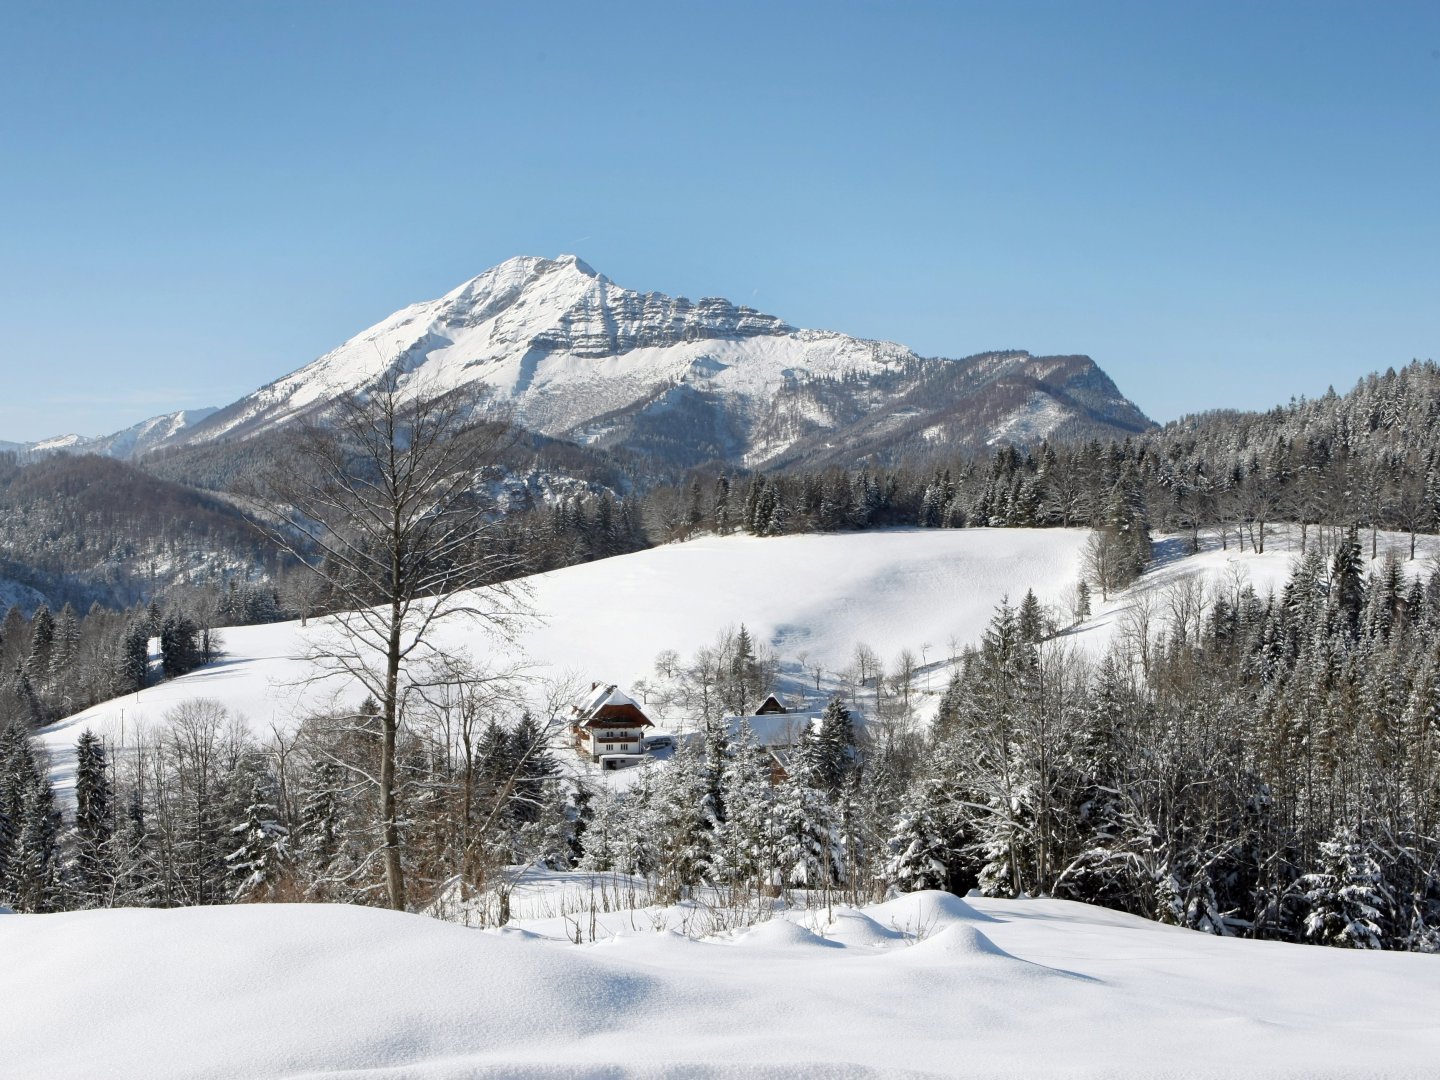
(606, 704)
(774, 729)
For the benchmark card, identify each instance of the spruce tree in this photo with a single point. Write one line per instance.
(744, 842)
(179, 644)
(42, 643)
(93, 868)
(720, 511)
(261, 859)
(1031, 619)
(1349, 901)
(924, 841)
(33, 863)
(132, 660)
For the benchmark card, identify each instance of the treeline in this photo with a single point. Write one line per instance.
(1265, 767)
(574, 530)
(200, 812)
(56, 664)
(1367, 459)
(1241, 764)
(1104, 487)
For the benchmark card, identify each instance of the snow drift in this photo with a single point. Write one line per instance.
(923, 985)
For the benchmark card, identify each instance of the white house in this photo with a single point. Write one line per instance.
(607, 722)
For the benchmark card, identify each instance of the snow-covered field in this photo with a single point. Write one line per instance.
(812, 597)
(922, 985)
(926, 984)
(815, 596)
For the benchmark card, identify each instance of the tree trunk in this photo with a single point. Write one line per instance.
(394, 871)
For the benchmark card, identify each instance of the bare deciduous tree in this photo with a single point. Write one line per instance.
(380, 500)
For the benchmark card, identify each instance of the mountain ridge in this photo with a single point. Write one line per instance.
(572, 355)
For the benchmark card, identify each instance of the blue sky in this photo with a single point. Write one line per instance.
(1224, 204)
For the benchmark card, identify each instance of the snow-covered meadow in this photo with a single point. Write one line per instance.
(810, 598)
(924, 985)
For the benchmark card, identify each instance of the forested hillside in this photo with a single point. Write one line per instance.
(1242, 761)
(85, 529)
(1369, 459)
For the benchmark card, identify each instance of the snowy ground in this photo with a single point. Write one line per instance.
(923, 985)
(815, 597)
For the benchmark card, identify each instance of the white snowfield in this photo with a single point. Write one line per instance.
(812, 597)
(924, 985)
(607, 621)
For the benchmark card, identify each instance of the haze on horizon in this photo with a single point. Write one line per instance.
(1223, 205)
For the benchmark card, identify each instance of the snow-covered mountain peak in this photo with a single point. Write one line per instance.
(529, 328)
(569, 353)
(513, 279)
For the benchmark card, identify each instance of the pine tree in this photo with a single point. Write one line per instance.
(33, 859)
(680, 822)
(535, 770)
(132, 660)
(762, 509)
(12, 810)
(1347, 583)
(721, 509)
(1032, 620)
(262, 858)
(805, 829)
(1349, 901)
(604, 840)
(694, 512)
(744, 849)
(923, 843)
(179, 644)
(93, 867)
(743, 688)
(777, 521)
(62, 656)
(42, 643)
(833, 754)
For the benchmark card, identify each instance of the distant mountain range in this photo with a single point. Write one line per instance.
(576, 357)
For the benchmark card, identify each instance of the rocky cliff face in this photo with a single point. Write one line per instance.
(574, 356)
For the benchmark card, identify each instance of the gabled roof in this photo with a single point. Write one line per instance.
(774, 729)
(606, 704)
(602, 695)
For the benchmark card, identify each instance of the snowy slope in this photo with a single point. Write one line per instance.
(566, 347)
(134, 441)
(607, 620)
(925, 985)
(815, 597)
